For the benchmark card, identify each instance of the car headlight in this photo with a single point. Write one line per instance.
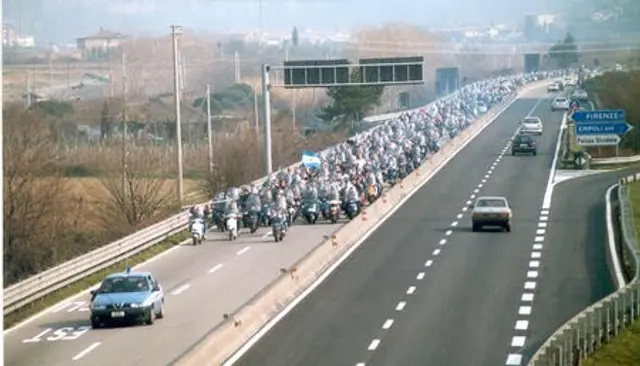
(135, 305)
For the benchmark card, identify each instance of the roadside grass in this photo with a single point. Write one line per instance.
(53, 298)
(624, 350)
(635, 164)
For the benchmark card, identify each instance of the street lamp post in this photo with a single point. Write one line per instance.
(176, 30)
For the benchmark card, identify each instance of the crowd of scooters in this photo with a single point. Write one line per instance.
(354, 173)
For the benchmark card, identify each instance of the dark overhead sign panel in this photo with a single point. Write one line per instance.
(393, 70)
(315, 73)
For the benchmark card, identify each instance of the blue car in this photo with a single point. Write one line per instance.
(128, 297)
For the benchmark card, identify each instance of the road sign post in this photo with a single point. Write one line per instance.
(336, 73)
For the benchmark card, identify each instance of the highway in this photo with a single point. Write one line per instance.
(424, 289)
(576, 273)
(201, 284)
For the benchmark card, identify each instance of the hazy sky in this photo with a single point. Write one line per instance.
(66, 19)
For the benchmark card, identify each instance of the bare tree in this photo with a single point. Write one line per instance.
(33, 205)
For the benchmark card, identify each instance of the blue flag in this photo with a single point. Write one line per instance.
(311, 160)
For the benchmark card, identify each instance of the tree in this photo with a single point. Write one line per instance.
(350, 103)
(564, 53)
(294, 37)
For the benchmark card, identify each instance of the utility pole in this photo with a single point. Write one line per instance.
(210, 138)
(176, 30)
(256, 117)
(267, 118)
(124, 127)
(27, 101)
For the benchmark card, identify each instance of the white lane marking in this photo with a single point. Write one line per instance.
(401, 306)
(513, 359)
(411, 290)
(216, 267)
(522, 324)
(527, 297)
(373, 345)
(484, 180)
(360, 364)
(532, 274)
(243, 250)
(420, 276)
(486, 177)
(267, 235)
(534, 264)
(524, 310)
(518, 341)
(529, 285)
(428, 263)
(464, 209)
(476, 190)
(454, 224)
(86, 351)
(480, 185)
(543, 218)
(611, 239)
(542, 224)
(459, 216)
(443, 242)
(468, 202)
(436, 252)
(548, 193)
(288, 308)
(387, 324)
(180, 289)
(537, 246)
(448, 232)
(538, 239)
(545, 212)
(541, 231)
(535, 255)
(473, 196)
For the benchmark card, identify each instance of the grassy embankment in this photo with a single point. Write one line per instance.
(624, 350)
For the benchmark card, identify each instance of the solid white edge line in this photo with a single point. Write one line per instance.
(287, 309)
(84, 292)
(85, 351)
(548, 193)
(611, 239)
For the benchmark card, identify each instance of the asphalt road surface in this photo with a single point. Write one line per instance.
(424, 289)
(200, 283)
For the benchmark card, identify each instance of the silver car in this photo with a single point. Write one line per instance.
(560, 104)
(491, 211)
(531, 125)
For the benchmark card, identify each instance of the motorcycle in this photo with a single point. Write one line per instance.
(310, 212)
(197, 232)
(232, 227)
(265, 215)
(250, 219)
(325, 209)
(352, 209)
(334, 210)
(278, 228)
(392, 176)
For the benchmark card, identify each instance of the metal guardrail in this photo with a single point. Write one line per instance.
(44, 283)
(593, 327)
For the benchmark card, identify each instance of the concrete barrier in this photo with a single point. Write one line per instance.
(239, 327)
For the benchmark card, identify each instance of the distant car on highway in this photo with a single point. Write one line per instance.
(553, 87)
(524, 143)
(579, 94)
(560, 104)
(531, 125)
(491, 211)
(127, 297)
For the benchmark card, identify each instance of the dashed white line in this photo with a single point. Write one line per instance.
(373, 345)
(243, 250)
(543, 218)
(473, 196)
(480, 185)
(534, 264)
(476, 190)
(216, 267)
(535, 255)
(448, 232)
(411, 290)
(420, 276)
(387, 324)
(512, 360)
(524, 310)
(537, 246)
(468, 202)
(443, 241)
(401, 306)
(532, 274)
(538, 239)
(527, 297)
(86, 351)
(484, 180)
(541, 231)
(436, 252)
(518, 341)
(180, 289)
(542, 224)
(454, 224)
(522, 325)
(464, 209)
(360, 364)
(459, 216)
(428, 263)
(544, 212)
(529, 285)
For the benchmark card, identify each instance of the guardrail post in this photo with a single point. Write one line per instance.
(608, 325)
(556, 356)
(636, 292)
(616, 319)
(598, 326)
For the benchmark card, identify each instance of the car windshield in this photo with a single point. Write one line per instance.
(491, 202)
(561, 100)
(124, 284)
(530, 120)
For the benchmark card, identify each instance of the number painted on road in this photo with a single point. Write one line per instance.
(71, 306)
(59, 334)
